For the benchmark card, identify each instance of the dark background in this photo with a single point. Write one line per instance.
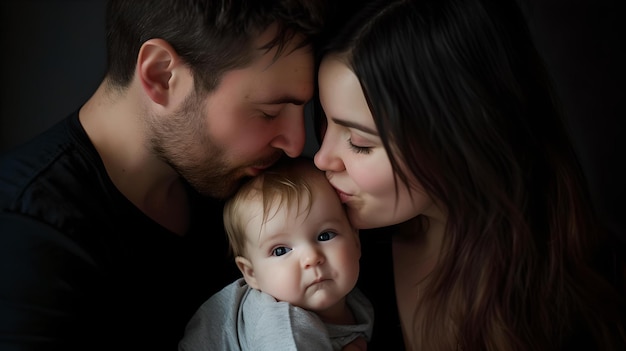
(53, 58)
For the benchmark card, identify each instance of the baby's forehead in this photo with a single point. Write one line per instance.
(268, 203)
(291, 187)
(264, 217)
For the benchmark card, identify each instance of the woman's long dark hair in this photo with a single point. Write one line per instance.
(461, 97)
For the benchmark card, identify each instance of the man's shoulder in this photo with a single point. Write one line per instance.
(54, 177)
(35, 161)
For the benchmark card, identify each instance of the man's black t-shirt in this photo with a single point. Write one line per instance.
(82, 268)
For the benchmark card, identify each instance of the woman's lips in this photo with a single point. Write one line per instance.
(343, 196)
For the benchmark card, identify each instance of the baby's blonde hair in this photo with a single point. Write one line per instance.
(285, 184)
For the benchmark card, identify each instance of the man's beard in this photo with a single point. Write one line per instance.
(181, 141)
(216, 181)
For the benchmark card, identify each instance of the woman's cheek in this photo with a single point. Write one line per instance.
(374, 176)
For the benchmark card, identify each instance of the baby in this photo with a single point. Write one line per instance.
(299, 256)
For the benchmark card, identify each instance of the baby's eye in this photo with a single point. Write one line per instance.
(279, 251)
(325, 236)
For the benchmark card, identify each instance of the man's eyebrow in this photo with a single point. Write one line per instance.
(353, 125)
(286, 99)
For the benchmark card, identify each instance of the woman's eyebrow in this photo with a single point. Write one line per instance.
(350, 124)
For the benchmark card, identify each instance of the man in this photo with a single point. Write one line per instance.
(111, 220)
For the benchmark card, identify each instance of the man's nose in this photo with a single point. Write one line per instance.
(291, 135)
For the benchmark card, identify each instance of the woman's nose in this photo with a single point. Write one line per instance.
(327, 157)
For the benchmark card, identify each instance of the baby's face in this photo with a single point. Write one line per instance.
(309, 259)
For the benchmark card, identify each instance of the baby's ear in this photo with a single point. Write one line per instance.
(246, 268)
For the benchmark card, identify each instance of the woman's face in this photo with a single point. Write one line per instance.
(353, 156)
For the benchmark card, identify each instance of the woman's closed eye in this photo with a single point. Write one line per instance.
(359, 149)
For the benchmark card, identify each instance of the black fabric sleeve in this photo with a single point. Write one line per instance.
(44, 279)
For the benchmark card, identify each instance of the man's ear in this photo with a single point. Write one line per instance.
(161, 72)
(245, 266)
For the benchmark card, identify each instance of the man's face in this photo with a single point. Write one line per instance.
(243, 126)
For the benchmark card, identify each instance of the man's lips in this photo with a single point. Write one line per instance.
(255, 171)
(259, 168)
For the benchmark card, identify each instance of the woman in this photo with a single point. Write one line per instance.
(440, 121)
